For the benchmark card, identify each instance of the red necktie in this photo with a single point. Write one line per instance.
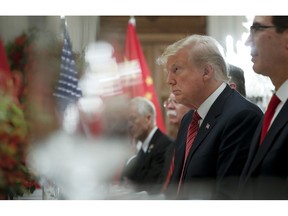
(269, 115)
(192, 132)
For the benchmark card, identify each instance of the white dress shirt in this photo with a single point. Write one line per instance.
(148, 139)
(283, 96)
(145, 144)
(205, 106)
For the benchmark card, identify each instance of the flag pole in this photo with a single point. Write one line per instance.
(63, 26)
(132, 20)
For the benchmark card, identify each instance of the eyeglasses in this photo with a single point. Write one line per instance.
(169, 101)
(257, 27)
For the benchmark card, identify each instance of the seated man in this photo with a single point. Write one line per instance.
(213, 139)
(145, 170)
(175, 112)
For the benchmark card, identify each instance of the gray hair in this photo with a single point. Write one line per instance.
(144, 107)
(202, 50)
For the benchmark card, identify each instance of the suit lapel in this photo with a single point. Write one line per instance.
(210, 120)
(152, 142)
(253, 147)
(278, 124)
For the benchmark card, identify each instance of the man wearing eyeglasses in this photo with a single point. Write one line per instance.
(175, 112)
(265, 172)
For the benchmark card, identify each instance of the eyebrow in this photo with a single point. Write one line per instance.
(176, 64)
(171, 67)
(256, 23)
(259, 23)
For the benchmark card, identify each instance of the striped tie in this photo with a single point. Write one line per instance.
(192, 132)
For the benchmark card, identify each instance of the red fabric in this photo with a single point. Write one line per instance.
(192, 132)
(133, 51)
(5, 74)
(269, 115)
(4, 64)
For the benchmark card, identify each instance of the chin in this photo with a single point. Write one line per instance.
(256, 69)
(172, 123)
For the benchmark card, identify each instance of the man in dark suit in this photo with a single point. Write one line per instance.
(265, 173)
(175, 112)
(197, 74)
(145, 170)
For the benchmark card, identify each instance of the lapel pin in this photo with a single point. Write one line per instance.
(150, 148)
(207, 126)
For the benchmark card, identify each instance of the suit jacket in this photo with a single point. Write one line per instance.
(219, 151)
(146, 169)
(266, 171)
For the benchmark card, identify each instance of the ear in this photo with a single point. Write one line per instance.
(208, 72)
(149, 118)
(233, 85)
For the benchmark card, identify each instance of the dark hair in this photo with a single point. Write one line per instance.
(281, 23)
(237, 76)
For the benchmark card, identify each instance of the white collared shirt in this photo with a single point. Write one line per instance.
(283, 96)
(145, 145)
(205, 106)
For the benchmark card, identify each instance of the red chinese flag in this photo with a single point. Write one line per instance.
(133, 51)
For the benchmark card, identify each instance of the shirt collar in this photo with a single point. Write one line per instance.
(282, 92)
(205, 106)
(148, 139)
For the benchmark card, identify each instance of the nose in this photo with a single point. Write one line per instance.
(170, 79)
(170, 105)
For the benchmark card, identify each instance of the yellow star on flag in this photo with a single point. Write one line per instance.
(148, 95)
(149, 80)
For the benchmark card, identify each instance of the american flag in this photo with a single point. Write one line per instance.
(67, 90)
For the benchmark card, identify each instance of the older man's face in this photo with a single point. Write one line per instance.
(185, 79)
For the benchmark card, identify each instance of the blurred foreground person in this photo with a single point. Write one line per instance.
(265, 173)
(197, 74)
(78, 159)
(145, 170)
(83, 167)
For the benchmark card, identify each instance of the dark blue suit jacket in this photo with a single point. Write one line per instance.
(219, 151)
(266, 171)
(146, 170)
